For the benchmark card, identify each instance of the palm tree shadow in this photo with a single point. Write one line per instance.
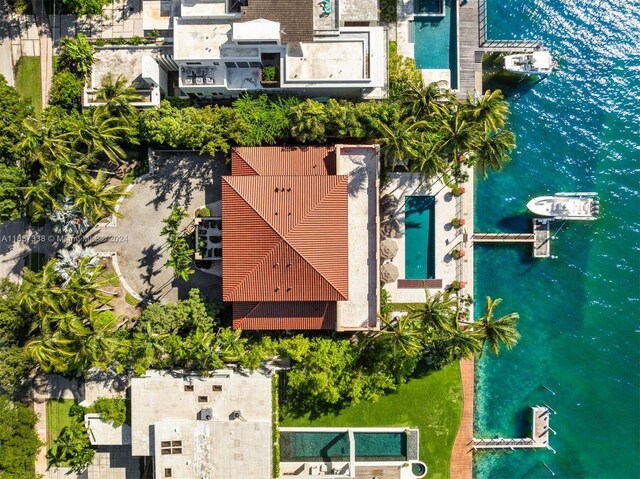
(358, 180)
(180, 174)
(149, 261)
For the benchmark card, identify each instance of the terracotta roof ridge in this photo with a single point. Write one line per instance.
(311, 210)
(259, 263)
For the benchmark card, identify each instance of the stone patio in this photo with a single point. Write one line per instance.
(447, 237)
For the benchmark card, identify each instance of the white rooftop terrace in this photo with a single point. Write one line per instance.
(326, 60)
(199, 40)
(160, 398)
(360, 163)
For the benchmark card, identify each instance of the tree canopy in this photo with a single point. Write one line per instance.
(19, 442)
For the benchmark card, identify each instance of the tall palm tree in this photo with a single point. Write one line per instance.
(67, 219)
(230, 344)
(118, 94)
(308, 121)
(97, 199)
(96, 132)
(39, 143)
(40, 199)
(493, 151)
(489, 110)
(457, 135)
(70, 260)
(402, 141)
(402, 333)
(497, 331)
(420, 100)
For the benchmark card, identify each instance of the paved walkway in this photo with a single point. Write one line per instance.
(185, 179)
(6, 65)
(46, 49)
(462, 454)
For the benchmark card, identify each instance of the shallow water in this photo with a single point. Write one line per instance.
(577, 130)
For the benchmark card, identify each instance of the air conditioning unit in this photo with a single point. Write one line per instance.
(205, 414)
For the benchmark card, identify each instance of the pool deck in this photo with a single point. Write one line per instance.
(469, 69)
(447, 237)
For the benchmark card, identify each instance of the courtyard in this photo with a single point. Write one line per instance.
(139, 253)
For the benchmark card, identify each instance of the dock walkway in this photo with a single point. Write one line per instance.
(539, 435)
(540, 238)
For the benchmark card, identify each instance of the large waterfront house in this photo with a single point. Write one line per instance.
(215, 49)
(300, 237)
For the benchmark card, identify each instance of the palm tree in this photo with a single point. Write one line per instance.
(39, 143)
(493, 151)
(96, 132)
(401, 141)
(437, 311)
(118, 94)
(401, 333)
(457, 135)
(497, 331)
(420, 100)
(97, 199)
(70, 260)
(308, 121)
(490, 110)
(67, 219)
(40, 199)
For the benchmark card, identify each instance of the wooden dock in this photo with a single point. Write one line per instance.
(539, 435)
(540, 239)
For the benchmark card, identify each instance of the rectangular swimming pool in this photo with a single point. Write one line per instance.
(435, 40)
(335, 446)
(419, 239)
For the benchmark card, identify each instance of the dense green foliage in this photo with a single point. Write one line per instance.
(180, 252)
(71, 448)
(66, 91)
(13, 110)
(389, 11)
(76, 53)
(112, 410)
(19, 442)
(85, 7)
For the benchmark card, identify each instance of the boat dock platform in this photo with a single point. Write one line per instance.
(539, 435)
(500, 46)
(540, 238)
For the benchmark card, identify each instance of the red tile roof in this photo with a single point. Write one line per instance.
(287, 315)
(285, 238)
(283, 160)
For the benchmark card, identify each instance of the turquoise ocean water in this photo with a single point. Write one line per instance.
(578, 130)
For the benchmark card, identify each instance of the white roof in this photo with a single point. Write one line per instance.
(256, 30)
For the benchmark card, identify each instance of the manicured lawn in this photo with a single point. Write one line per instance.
(28, 81)
(57, 418)
(433, 404)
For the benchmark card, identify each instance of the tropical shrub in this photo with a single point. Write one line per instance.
(269, 73)
(457, 253)
(66, 91)
(76, 55)
(19, 442)
(457, 190)
(85, 7)
(457, 222)
(112, 410)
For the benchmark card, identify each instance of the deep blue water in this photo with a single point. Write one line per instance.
(578, 130)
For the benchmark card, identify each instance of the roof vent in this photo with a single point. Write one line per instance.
(236, 415)
(205, 414)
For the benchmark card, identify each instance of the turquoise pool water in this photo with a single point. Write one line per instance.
(435, 41)
(576, 131)
(419, 240)
(332, 446)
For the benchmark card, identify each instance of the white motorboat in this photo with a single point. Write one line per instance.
(536, 63)
(566, 206)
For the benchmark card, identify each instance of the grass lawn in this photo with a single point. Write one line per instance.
(28, 81)
(57, 418)
(433, 404)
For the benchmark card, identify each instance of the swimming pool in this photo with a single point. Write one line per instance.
(335, 446)
(435, 40)
(419, 239)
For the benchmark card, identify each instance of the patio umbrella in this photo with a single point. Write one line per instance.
(388, 273)
(388, 248)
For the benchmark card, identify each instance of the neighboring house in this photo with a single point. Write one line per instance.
(191, 427)
(300, 237)
(318, 48)
(140, 68)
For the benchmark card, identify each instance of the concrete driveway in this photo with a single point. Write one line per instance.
(183, 179)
